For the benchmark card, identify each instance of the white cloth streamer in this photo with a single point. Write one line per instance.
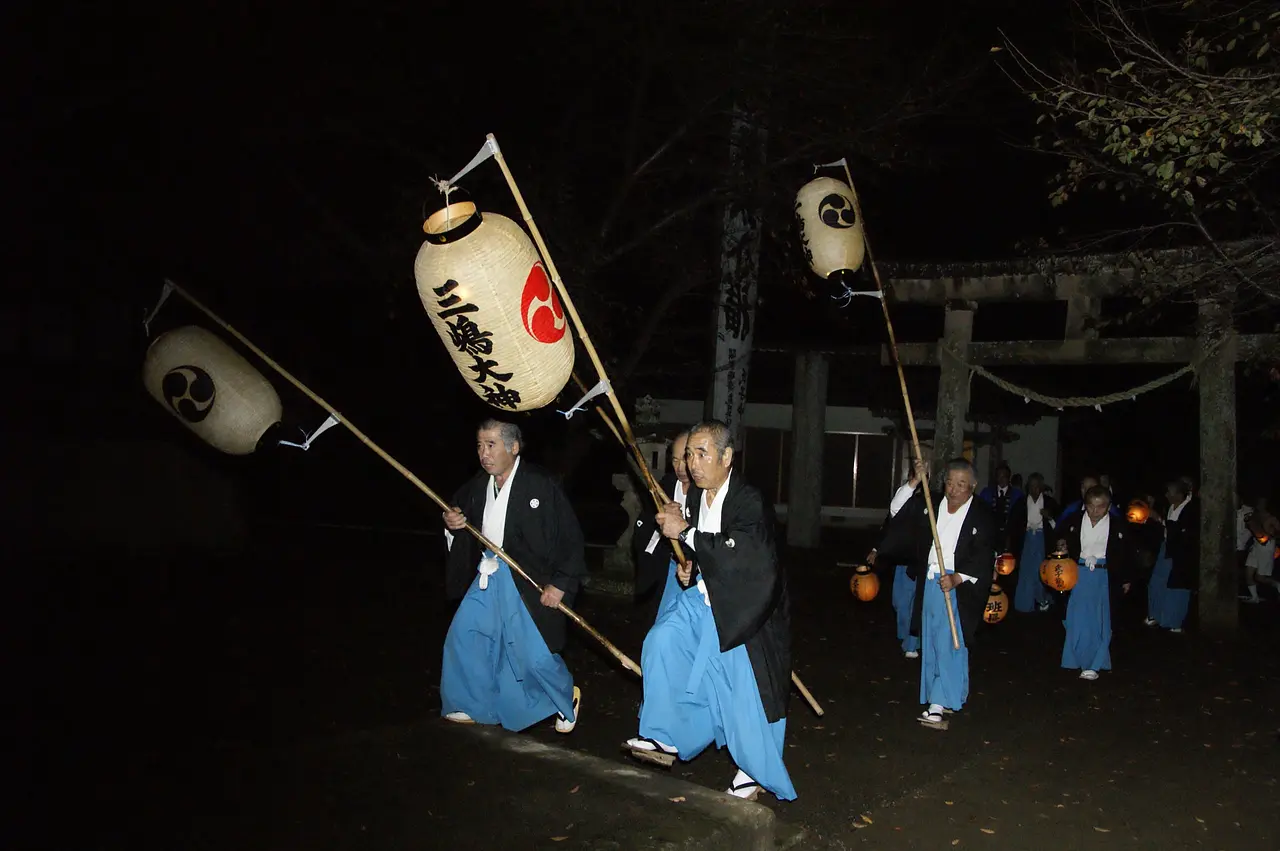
(600, 389)
(165, 292)
(446, 186)
(306, 444)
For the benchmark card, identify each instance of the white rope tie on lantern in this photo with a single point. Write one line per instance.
(1095, 402)
(600, 389)
(306, 444)
(846, 298)
(843, 161)
(489, 148)
(165, 292)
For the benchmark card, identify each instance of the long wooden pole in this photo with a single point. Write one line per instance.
(628, 437)
(404, 471)
(906, 399)
(630, 441)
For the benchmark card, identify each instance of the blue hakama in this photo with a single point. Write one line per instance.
(695, 695)
(944, 671)
(904, 596)
(1167, 606)
(497, 667)
(1088, 642)
(1031, 592)
(670, 593)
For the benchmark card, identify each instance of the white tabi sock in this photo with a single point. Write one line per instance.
(1253, 593)
(935, 708)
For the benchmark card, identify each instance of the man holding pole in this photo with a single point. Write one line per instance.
(959, 586)
(501, 656)
(654, 556)
(717, 663)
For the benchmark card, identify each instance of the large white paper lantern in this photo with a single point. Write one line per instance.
(494, 307)
(832, 236)
(211, 389)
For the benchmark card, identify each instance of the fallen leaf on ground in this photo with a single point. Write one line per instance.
(955, 842)
(948, 803)
(1102, 830)
(986, 830)
(678, 799)
(867, 819)
(574, 790)
(559, 838)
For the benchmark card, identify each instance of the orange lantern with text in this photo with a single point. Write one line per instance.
(1138, 512)
(1059, 572)
(864, 584)
(491, 301)
(1005, 563)
(997, 605)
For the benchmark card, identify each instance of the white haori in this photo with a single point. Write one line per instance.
(1035, 520)
(949, 528)
(709, 520)
(1093, 539)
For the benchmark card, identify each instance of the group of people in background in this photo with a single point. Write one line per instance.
(1152, 543)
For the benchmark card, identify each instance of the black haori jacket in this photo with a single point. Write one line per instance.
(651, 568)
(1121, 554)
(908, 540)
(748, 587)
(1182, 546)
(1017, 526)
(542, 535)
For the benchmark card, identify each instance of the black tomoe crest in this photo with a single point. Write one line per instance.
(836, 211)
(190, 392)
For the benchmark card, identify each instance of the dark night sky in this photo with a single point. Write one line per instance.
(275, 158)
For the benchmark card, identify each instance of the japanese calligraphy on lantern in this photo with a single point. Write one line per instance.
(468, 338)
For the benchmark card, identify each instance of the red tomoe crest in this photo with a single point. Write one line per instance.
(540, 307)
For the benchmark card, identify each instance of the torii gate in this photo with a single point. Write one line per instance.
(1217, 346)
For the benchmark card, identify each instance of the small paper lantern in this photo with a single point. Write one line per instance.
(211, 388)
(1262, 539)
(1059, 572)
(494, 307)
(1138, 512)
(1005, 563)
(864, 584)
(830, 232)
(997, 605)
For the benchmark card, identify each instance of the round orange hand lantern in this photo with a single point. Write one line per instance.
(1059, 572)
(1005, 563)
(997, 605)
(864, 584)
(1138, 512)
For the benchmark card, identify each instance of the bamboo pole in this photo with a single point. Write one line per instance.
(613, 429)
(404, 471)
(630, 441)
(627, 436)
(906, 399)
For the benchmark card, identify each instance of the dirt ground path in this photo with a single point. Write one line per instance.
(141, 677)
